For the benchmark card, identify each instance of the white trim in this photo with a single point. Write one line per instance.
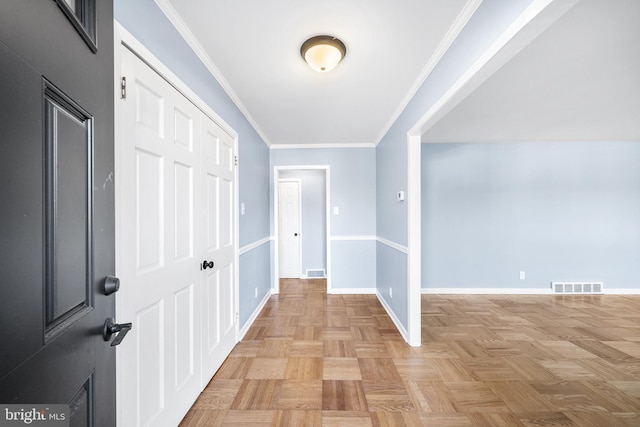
(302, 168)
(485, 291)
(463, 18)
(276, 257)
(236, 236)
(253, 316)
(177, 22)
(622, 291)
(353, 291)
(506, 46)
(327, 199)
(392, 316)
(414, 239)
(516, 291)
(329, 145)
(394, 245)
(251, 246)
(354, 238)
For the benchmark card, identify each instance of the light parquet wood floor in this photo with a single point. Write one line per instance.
(312, 359)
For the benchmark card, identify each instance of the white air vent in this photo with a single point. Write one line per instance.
(314, 274)
(577, 287)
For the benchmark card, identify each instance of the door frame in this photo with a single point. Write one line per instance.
(124, 40)
(299, 181)
(276, 236)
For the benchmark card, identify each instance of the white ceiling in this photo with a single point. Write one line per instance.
(578, 80)
(253, 46)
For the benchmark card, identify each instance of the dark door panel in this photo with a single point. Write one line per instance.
(56, 207)
(21, 218)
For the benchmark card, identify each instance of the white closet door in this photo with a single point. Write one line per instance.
(161, 232)
(219, 302)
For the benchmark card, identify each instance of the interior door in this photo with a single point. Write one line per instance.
(176, 248)
(220, 300)
(289, 229)
(57, 216)
(159, 367)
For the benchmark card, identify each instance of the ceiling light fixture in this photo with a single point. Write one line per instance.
(323, 53)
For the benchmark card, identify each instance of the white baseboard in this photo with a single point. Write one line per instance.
(515, 291)
(354, 291)
(622, 291)
(393, 317)
(486, 291)
(254, 315)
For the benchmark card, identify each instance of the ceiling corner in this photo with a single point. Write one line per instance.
(172, 15)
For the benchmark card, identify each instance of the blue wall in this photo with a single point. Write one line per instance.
(353, 191)
(489, 21)
(145, 21)
(558, 211)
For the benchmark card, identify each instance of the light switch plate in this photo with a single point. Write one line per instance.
(400, 196)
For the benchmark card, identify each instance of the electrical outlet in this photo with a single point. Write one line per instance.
(522, 275)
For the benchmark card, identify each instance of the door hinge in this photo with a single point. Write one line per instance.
(123, 88)
(236, 160)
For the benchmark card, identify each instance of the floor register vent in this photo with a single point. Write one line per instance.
(314, 274)
(576, 287)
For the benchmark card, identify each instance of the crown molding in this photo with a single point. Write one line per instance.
(535, 19)
(177, 22)
(331, 145)
(463, 18)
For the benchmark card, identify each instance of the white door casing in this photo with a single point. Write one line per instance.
(166, 212)
(289, 220)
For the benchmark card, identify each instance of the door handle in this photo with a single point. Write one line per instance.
(206, 264)
(295, 234)
(111, 327)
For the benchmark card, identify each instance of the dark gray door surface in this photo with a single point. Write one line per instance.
(56, 206)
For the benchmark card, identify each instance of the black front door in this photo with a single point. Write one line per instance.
(56, 208)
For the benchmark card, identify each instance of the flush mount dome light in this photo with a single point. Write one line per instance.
(323, 53)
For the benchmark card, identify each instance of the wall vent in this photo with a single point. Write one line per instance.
(577, 287)
(315, 274)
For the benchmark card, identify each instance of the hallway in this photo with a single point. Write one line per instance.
(312, 359)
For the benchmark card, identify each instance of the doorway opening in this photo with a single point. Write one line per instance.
(301, 223)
